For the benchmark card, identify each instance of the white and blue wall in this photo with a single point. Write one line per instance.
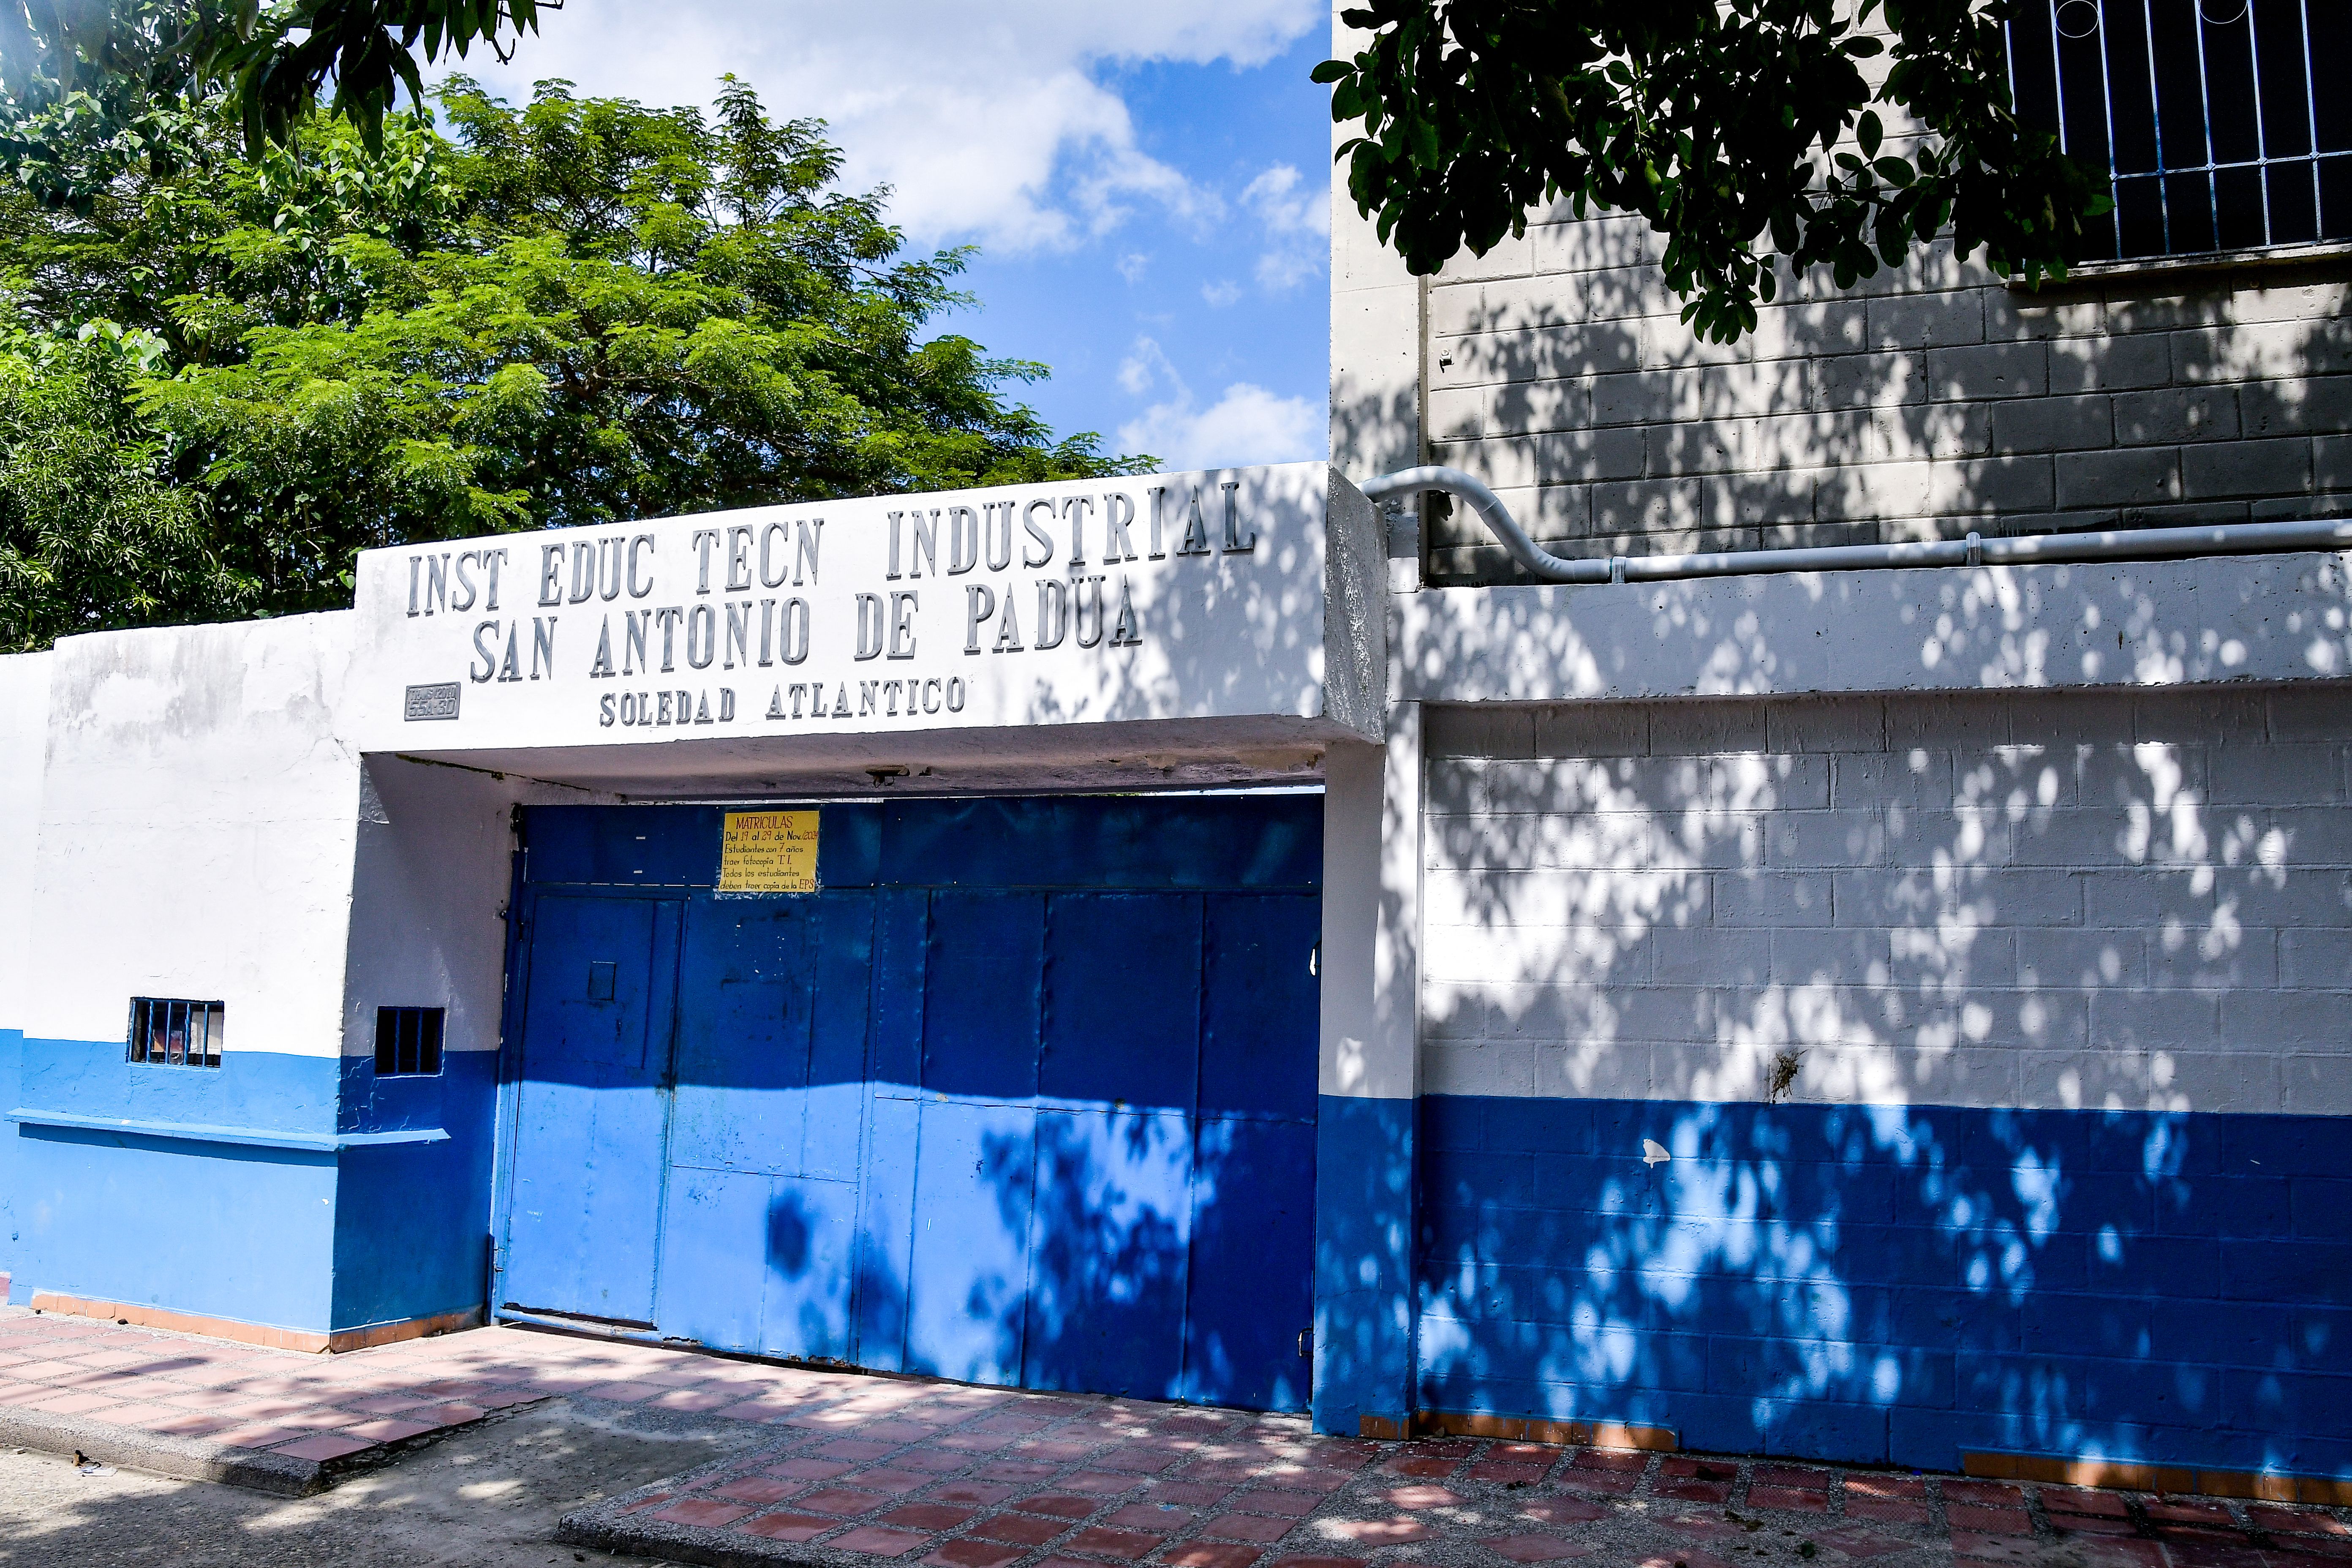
(186, 823)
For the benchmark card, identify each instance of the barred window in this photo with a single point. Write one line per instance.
(408, 1040)
(2205, 116)
(165, 1032)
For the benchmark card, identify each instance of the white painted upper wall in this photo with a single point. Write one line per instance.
(24, 724)
(2071, 900)
(2226, 618)
(197, 831)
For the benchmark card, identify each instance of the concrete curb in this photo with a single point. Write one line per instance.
(183, 1459)
(625, 1537)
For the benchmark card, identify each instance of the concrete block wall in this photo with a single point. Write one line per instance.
(1924, 403)
(2063, 900)
(1999, 1046)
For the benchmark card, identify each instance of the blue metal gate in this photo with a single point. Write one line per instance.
(1025, 1094)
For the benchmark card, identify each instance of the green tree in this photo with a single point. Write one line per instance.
(88, 87)
(92, 531)
(1746, 131)
(572, 313)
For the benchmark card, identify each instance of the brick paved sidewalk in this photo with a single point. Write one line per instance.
(962, 1477)
(863, 1470)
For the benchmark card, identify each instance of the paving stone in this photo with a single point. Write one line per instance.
(2083, 1501)
(324, 1446)
(1788, 1497)
(1375, 1532)
(969, 1553)
(707, 1512)
(1249, 1527)
(926, 1516)
(1886, 1486)
(1988, 1520)
(873, 1541)
(1212, 1554)
(1022, 1529)
(1890, 1511)
(1563, 1510)
(1993, 1547)
(841, 1501)
(1060, 1505)
(1126, 1545)
(2297, 1521)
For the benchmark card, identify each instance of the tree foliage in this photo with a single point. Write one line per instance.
(576, 311)
(88, 86)
(1746, 131)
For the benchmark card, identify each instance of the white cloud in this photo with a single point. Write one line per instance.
(1131, 266)
(1247, 425)
(988, 121)
(1220, 293)
(1297, 224)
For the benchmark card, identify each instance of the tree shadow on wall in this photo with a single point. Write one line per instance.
(1769, 940)
(1925, 403)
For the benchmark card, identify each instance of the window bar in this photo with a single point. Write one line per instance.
(2058, 77)
(2311, 121)
(2205, 105)
(2262, 140)
(2156, 115)
(2107, 107)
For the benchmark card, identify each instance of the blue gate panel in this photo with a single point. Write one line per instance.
(1250, 1311)
(811, 1246)
(840, 1009)
(902, 935)
(967, 1272)
(981, 994)
(743, 1028)
(715, 1262)
(1260, 999)
(885, 1232)
(585, 1203)
(1024, 1094)
(1109, 1235)
(1122, 1012)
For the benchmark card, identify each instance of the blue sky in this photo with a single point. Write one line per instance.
(1148, 185)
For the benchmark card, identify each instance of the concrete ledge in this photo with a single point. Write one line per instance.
(270, 1337)
(210, 1132)
(183, 1459)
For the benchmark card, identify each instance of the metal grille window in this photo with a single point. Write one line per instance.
(168, 1033)
(407, 1041)
(2205, 115)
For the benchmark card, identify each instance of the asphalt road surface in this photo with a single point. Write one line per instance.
(487, 1496)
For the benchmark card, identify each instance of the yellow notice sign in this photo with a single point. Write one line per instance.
(768, 852)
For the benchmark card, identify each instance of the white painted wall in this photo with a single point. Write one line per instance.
(24, 724)
(2140, 901)
(429, 891)
(2231, 618)
(197, 831)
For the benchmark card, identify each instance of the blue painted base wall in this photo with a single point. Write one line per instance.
(1364, 1264)
(412, 1220)
(291, 1238)
(1896, 1285)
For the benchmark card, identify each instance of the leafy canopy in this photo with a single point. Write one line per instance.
(1742, 130)
(571, 314)
(88, 86)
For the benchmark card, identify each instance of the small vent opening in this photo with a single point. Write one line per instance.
(408, 1041)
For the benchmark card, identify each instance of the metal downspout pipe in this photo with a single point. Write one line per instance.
(2134, 544)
